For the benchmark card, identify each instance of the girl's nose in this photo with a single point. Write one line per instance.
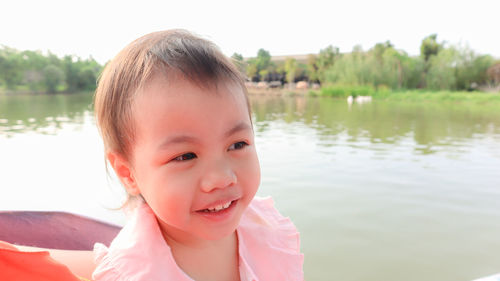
(217, 176)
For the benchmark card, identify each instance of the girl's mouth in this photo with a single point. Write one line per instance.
(219, 208)
(220, 213)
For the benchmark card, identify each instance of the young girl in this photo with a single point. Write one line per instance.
(175, 119)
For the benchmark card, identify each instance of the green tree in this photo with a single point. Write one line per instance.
(53, 59)
(264, 74)
(239, 62)
(312, 69)
(380, 49)
(35, 71)
(326, 59)
(441, 73)
(33, 64)
(290, 70)
(53, 76)
(493, 73)
(87, 79)
(252, 70)
(470, 68)
(33, 60)
(382, 64)
(263, 59)
(34, 79)
(430, 47)
(70, 68)
(480, 66)
(387, 66)
(413, 69)
(11, 67)
(352, 69)
(265, 67)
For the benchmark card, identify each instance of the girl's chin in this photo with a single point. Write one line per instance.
(219, 236)
(223, 223)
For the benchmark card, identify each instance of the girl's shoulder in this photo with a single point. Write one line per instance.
(261, 215)
(138, 252)
(269, 243)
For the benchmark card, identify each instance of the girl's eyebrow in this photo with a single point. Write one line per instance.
(242, 126)
(177, 139)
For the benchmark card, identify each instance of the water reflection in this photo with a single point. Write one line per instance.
(391, 188)
(431, 127)
(44, 114)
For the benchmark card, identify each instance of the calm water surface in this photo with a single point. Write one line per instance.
(381, 191)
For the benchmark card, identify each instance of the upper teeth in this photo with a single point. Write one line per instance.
(219, 207)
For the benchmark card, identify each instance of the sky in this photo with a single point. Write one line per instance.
(102, 28)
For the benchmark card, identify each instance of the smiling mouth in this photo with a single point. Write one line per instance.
(218, 208)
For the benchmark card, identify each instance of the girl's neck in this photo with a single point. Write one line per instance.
(207, 259)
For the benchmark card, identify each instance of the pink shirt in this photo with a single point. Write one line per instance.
(268, 245)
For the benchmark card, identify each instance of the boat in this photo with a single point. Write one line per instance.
(54, 230)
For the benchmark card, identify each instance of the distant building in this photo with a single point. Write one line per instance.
(282, 59)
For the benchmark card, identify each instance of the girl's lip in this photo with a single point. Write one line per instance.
(219, 216)
(219, 202)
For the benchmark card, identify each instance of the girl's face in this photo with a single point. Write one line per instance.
(194, 158)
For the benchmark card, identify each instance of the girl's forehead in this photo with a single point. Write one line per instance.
(163, 90)
(171, 104)
(175, 79)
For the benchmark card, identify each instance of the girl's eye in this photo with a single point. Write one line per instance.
(185, 156)
(237, 145)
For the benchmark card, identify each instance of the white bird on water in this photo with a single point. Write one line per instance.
(359, 99)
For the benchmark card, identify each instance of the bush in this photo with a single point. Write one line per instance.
(312, 93)
(53, 76)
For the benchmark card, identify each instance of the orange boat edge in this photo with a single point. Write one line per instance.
(68, 239)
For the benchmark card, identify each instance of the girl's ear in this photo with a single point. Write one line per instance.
(124, 171)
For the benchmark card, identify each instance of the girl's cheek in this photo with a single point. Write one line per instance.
(252, 170)
(182, 182)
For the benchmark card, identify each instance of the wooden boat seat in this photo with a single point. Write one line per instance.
(54, 230)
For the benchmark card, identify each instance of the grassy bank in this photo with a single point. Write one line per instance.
(342, 91)
(409, 95)
(417, 95)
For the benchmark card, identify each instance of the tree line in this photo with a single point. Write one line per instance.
(438, 67)
(33, 71)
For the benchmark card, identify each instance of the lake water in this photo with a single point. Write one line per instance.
(381, 191)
